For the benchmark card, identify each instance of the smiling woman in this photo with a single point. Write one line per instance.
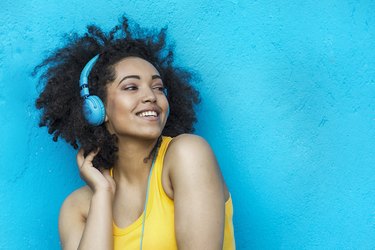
(150, 184)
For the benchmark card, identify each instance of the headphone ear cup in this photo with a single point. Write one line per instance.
(93, 110)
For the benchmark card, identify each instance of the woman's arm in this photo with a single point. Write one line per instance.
(198, 193)
(92, 229)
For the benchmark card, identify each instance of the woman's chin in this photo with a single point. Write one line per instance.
(148, 135)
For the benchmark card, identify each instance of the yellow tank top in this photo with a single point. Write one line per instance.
(159, 231)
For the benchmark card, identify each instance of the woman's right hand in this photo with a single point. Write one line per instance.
(97, 180)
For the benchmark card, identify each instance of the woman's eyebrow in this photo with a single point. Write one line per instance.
(129, 76)
(137, 77)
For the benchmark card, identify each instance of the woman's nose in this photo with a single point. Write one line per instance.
(148, 95)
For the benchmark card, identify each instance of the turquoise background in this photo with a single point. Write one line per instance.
(288, 92)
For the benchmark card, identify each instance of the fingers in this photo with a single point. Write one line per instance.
(95, 178)
(81, 159)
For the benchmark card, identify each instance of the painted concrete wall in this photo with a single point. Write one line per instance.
(288, 93)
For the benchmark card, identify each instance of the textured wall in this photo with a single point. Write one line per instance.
(288, 93)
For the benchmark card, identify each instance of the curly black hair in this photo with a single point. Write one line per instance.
(60, 100)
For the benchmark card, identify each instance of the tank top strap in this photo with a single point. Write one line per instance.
(161, 152)
(160, 162)
(163, 148)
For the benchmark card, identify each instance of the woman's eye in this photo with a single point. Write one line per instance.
(130, 88)
(161, 89)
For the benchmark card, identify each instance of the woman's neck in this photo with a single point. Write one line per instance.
(135, 157)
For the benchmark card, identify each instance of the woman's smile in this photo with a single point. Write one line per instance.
(150, 114)
(149, 117)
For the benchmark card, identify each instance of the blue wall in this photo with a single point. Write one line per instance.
(288, 93)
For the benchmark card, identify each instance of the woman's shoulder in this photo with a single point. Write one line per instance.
(188, 142)
(191, 162)
(73, 216)
(77, 203)
(182, 153)
(189, 151)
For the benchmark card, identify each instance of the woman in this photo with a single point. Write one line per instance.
(145, 189)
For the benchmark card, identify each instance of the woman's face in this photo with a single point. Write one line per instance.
(136, 105)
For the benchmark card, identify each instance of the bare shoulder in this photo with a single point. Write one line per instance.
(192, 150)
(78, 201)
(190, 157)
(73, 215)
(188, 144)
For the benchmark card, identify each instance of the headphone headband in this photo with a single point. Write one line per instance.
(83, 80)
(93, 107)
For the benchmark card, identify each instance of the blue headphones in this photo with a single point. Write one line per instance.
(93, 107)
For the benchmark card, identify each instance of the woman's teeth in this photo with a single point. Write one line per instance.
(148, 113)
